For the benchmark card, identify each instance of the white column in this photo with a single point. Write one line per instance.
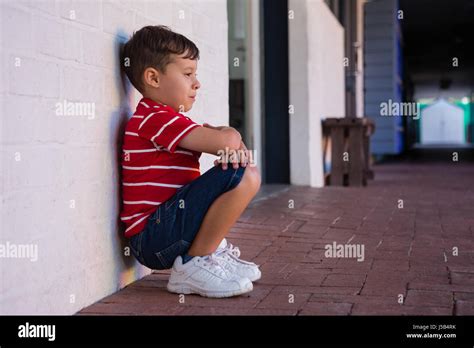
(316, 85)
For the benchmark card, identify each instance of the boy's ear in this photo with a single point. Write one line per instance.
(151, 77)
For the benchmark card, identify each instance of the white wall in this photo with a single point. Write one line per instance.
(359, 80)
(316, 85)
(60, 184)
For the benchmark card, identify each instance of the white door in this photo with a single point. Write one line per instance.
(442, 123)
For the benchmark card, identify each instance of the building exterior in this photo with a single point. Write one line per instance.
(60, 188)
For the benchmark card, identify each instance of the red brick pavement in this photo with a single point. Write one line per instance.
(409, 266)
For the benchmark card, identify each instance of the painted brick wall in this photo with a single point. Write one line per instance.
(60, 183)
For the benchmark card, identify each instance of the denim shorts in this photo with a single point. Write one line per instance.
(171, 229)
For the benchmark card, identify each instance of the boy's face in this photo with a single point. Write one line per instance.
(178, 86)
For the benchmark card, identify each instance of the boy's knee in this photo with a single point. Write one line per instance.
(252, 178)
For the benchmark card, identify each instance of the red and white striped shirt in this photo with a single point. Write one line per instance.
(153, 165)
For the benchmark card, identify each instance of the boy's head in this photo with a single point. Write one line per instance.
(161, 65)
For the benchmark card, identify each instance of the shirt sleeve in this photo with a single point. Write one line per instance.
(166, 128)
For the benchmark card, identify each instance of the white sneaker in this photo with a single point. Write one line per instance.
(230, 255)
(205, 276)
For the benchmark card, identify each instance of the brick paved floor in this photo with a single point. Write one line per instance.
(409, 253)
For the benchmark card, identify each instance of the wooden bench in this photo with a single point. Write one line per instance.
(349, 139)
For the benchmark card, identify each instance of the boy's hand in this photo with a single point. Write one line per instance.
(242, 154)
(242, 158)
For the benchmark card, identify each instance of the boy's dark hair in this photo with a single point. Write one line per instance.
(152, 46)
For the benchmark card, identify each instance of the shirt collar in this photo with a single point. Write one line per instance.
(152, 103)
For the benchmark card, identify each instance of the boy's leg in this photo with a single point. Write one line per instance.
(224, 212)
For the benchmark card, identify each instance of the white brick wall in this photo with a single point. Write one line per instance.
(59, 187)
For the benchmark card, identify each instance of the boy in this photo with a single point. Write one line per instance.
(174, 216)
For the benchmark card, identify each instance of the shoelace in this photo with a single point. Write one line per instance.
(235, 251)
(212, 260)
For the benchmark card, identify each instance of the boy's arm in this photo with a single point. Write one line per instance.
(211, 140)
